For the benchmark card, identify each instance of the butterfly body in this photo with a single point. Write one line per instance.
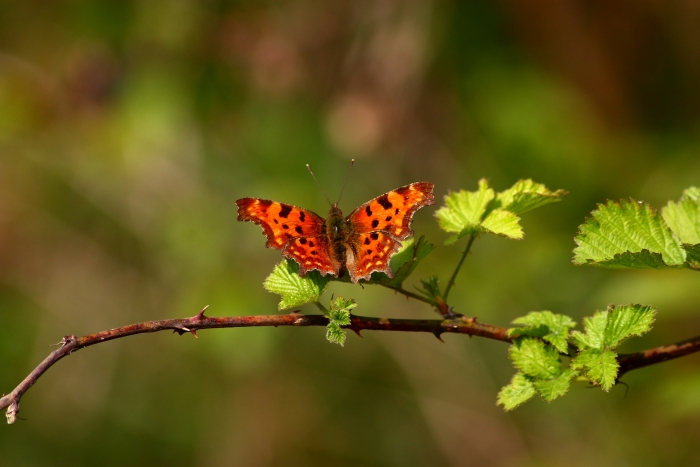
(360, 243)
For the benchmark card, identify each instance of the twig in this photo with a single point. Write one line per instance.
(70, 344)
(451, 282)
(633, 361)
(458, 325)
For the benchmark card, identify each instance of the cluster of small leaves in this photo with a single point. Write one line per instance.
(631, 234)
(338, 316)
(538, 346)
(485, 211)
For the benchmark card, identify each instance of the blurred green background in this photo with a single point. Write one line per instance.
(128, 129)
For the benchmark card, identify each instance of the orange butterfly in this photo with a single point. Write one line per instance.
(361, 243)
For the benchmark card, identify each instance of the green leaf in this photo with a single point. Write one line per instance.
(503, 223)
(295, 290)
(551, 389)
(526, 195)
(683, 217)
(405, 261)
(519, 390)
(627, 321)
(626, 227)
(534, 358)
(594, 338)
(464, 210)
(338, 316)
(335, 334)
(545, 325)
(431, 289)
(599, 367)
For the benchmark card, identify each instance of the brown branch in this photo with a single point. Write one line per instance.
(457, 325)
(633, 361)
(70, 344)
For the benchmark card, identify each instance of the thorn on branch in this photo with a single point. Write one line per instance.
(357, 331)
(438, 334)
(200, 316)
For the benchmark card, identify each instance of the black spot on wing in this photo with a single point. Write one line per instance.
(397, 211)
(374, 235)
(285, 226)
(265, 203)
(286, 209)
(384, 201)
(299, 229)
(302, 241)
(302, 216)
(367, 242)
(388, 218)
(368, 211)
(375, 223)
(311, 243)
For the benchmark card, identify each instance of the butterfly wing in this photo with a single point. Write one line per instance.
(370, 252)
(393, 211)
(298, 232)
(379, 225)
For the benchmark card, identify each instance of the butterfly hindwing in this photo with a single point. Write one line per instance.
(371, 251)
(312, 253)
(393, 211)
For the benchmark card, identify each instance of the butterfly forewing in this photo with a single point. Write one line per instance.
(393, 211)
(280, 222)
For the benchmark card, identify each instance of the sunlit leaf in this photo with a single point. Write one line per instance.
(338, 316)
(546, 325)
(295, 290)
(683, 217)
(533, 358)
(627, 321)
(526, 195)
(551, 389)
(626, 228)
(594, 337)
(519, 390)
(599, 366)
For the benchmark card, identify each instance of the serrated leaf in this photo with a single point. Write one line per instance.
(626, 227)
(294, 290)
(551, 389)
(503, 223)
(526, 195)
(692, 194)
(546, 325)
(533, 358)
(464, 209)
(405, 261)
(594, 338)
(338, 316)
(431, 288)
(600, 367)
(519, 390)
(683, 218)
(627, 321)
(335, 334)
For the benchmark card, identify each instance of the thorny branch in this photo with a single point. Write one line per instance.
(457, 325)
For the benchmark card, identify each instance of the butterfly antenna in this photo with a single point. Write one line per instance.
(319, 185)
(352, 161)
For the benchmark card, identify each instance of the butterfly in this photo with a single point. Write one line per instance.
(360, 243)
